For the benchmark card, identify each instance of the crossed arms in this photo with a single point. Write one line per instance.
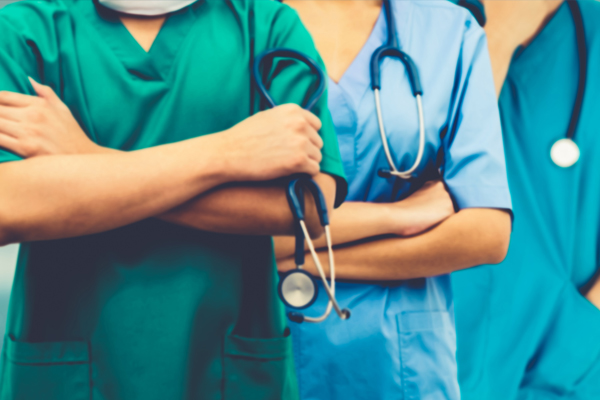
(68, 186)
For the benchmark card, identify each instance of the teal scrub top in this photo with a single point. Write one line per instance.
(524, 329)
(151, 310)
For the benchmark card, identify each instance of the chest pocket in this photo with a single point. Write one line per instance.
(50, 371)
(259, 369)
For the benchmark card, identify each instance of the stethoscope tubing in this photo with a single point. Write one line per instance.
(293, 54)
(408, 174)
(295, 196)
(391, 49)
(329, 288)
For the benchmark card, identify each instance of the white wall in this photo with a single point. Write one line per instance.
(8, 259)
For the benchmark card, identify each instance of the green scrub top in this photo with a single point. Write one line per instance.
(151, 310)
(524, 329)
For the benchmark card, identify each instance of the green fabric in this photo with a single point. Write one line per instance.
(160, 308)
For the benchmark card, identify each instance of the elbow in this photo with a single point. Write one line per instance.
(499, 241)
(499, 249)
(7, 233)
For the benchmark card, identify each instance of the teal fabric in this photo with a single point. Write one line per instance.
(152, 306)
(525, 332)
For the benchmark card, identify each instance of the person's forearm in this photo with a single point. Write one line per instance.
(469, 238)
(64, 196)
(351, 222)
(261, 209)
(248, 210)
(355, 221)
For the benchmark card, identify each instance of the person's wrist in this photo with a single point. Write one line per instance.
(398, 220)
(217, 156)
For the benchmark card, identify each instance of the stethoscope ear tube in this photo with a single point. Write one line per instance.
(409, 64)
(293, 54)
(391, 49)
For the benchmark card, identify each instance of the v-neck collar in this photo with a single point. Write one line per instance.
(357, 77)
(527, 58)
(157, 62)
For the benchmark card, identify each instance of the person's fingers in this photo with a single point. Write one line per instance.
(314, 137)
(10, 128)
(312, 119)
(314, 153)
(12, 99)
(44, 92)
(10, 113)
(312, 168)
(9, 143)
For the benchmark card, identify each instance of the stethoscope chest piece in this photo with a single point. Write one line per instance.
(297, 289)
(565, 153)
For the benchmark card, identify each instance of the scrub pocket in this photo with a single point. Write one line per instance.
(428, 356)
(48, 371)
(259, 369)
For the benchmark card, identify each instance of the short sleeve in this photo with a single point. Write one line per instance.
(292, 82)
(474, 166)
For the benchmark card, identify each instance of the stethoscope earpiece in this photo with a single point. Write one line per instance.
(346, 313)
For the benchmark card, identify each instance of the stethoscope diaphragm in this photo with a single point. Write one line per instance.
(297, 289)
(565, 153)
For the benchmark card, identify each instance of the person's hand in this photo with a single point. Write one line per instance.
(272, 144)
(423, 210)
(32, 126)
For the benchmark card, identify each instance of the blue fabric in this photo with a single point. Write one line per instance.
(400, 341)
(525, 332)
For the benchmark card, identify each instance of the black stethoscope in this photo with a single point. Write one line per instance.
(297, 288)
(391, 49)
(565, 152)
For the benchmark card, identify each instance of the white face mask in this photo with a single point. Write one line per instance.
(146, 8)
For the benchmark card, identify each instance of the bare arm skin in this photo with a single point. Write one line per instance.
(470, 237)
(594, 294)
(249, 210)
(62, 195)
(355, 221)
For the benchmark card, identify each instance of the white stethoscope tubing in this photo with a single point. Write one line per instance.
(393, 170)
(330, 289)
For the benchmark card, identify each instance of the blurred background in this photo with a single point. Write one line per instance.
(8, 260)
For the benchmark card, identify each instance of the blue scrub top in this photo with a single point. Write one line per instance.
(400, 341)
(524, 329)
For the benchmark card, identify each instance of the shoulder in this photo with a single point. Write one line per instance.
(29, 18)
(32, 9)
(590, 9)
(264, 11)
(431, 19)
(278, 25)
